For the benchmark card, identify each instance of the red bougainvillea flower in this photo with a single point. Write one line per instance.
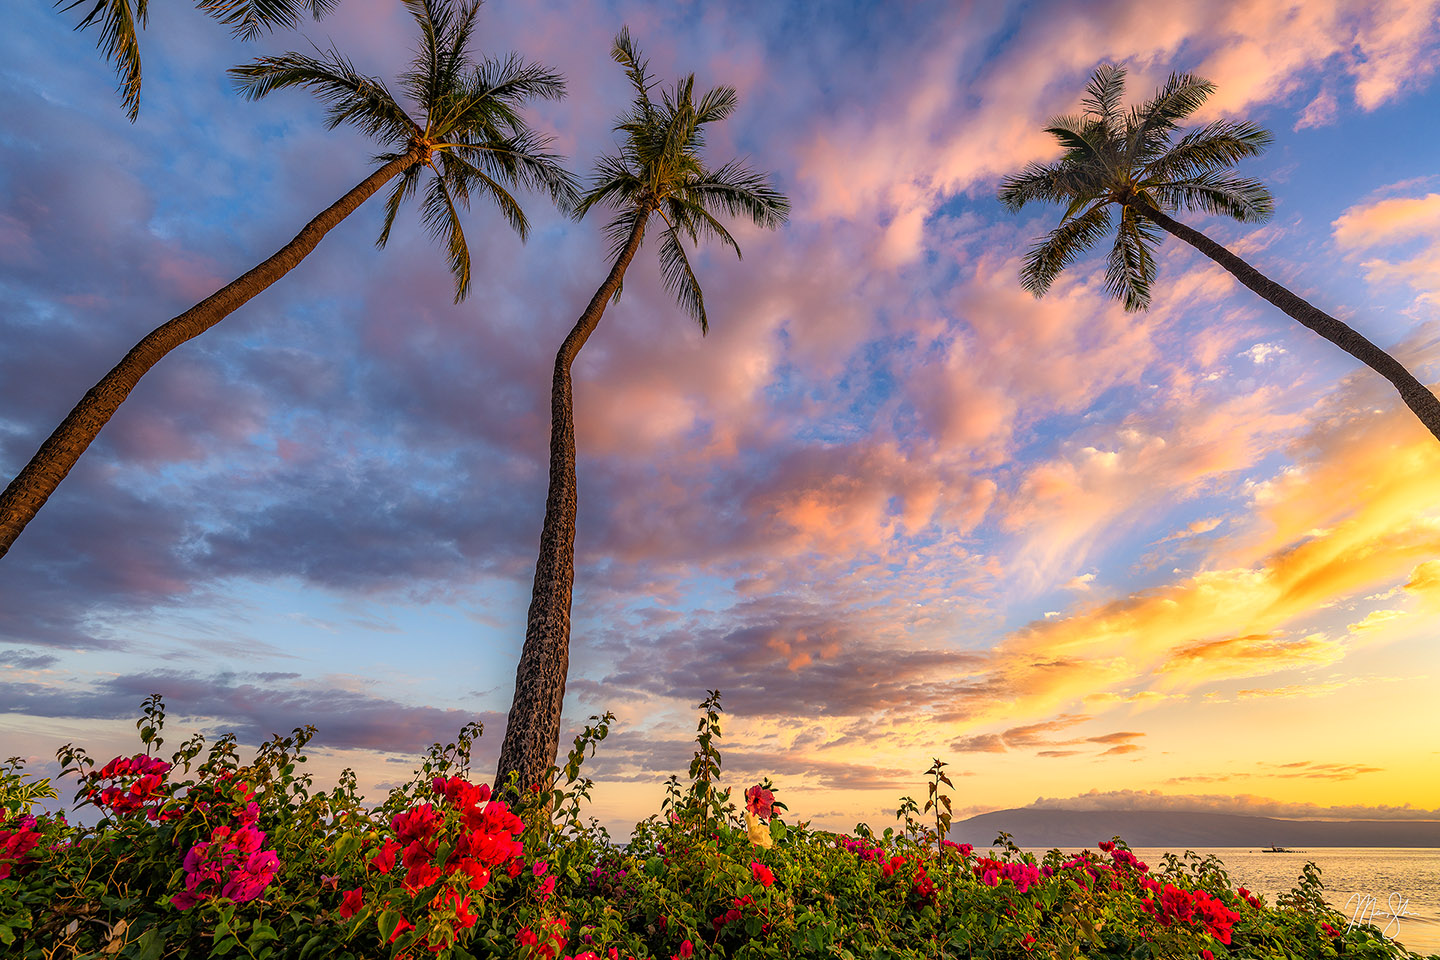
(351, 903)
(384, 861)
(687, 950)
(15, 846)
(400, 928)
(761, 873)
(760, 801)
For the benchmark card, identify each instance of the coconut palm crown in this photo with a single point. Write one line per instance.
(657, 171)
(1130, 159)
(471, 138)
(656, 175)
(120, 23)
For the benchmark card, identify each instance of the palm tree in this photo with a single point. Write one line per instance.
(470, 137)
(121, 20)
(1129, 160)
(657, 174)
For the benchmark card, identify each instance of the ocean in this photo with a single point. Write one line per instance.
(1395, 888)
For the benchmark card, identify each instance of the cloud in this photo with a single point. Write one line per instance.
(1406, 228)
(253, 707)
(1241, 804)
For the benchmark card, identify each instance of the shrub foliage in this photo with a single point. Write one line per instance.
(203, 855)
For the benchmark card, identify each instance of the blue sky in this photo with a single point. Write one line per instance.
(892, 506)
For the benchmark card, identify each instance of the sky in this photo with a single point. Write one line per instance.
(893, 507)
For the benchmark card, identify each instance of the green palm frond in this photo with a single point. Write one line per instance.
(657, 169)
(1061, 247)
(440, 217)
(351, 97)
(1242, 198)
(679, 279)
(248, 19)
(1134, 162)
(1060, 182)
(403, 190)
(120, 22)
(471, 135)
(1130, 268)
(1222, 143)
(1103, 93)
(1148, 127)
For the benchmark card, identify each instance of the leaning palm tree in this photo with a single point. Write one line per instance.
(1127, 159)
(657, 176)
(470, 137)
(120, 23)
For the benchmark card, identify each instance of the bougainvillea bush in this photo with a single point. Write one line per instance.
(197, 854)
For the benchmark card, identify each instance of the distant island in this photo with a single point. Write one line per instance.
(1077, 829)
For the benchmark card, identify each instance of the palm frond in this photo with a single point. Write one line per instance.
(403, 190)
(119, 42)
(1059, 182)
(1149, 126)
(614, 185)
(1221, 143)
(716, 104)
(1103, 92)
(1242, 198)
(1130, 268)
(352, 98)
(443, 220)
(1061, 247)
(625, 53)
(248, 19)
(679, 279)
(740, 191)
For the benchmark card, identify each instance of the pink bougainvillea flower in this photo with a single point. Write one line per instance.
(351, 903)
(546, 888)
(760, 801)
(539, 867)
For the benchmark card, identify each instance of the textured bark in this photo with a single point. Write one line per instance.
(28, 492)
(1416, 395)
(532, 732)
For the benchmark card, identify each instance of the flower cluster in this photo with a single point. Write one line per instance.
(739, 906)
(863, 849)
(131, 784)
(16, 844)
(1022, 875)
(1174, 905)
(484, 839)
(230, 864)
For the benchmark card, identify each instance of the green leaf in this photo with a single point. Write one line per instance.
(150, 945)
(389, 920)
(224, 946)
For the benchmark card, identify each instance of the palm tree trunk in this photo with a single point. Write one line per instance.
(28, 492)
(532, 732)
(1415, 394)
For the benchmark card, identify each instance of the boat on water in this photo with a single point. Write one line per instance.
(1278, 850)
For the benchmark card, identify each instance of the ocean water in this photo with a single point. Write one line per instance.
(1396, 889)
